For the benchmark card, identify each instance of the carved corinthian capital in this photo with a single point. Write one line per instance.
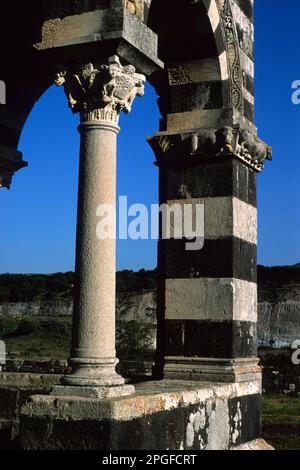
(102, 93)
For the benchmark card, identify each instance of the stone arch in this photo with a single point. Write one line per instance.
(202, 60)
(25, 78)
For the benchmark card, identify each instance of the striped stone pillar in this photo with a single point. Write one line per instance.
(207, 297)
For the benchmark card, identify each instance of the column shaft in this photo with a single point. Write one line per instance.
(93, 355)
(94, 301)
(99, 94)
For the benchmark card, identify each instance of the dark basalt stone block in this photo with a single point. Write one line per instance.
(227, 177)
(250, 425)
(207, 95)
(192, 338)
(221, 258)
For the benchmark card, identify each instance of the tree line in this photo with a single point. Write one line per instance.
(60, 286)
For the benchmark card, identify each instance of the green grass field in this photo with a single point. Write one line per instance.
(281, 421)
(36, 337)
(42, 337)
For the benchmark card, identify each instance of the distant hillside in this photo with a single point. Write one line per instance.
(279, 283)
(16, 288)
(279, 306)
(42, 295)
(275, 284)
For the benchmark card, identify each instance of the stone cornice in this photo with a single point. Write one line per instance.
(204, 144)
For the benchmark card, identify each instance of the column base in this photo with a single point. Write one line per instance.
(212, 369)
(93, 372)
(93, 378)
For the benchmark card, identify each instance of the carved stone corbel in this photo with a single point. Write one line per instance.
(208, 143)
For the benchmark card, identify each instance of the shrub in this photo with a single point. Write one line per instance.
(134, 340)
(26, 327)
(8, 325)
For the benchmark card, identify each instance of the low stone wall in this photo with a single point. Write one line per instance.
(278, 373)
(128, 369)
(37, 366)
(15, 389)
(41, 308)
(23, 378)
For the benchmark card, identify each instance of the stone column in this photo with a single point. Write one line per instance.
(207, 299)
(99, 95)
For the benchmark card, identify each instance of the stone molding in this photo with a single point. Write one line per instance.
(213, 369)
(100, 94)
(233, 56)
(234, 142)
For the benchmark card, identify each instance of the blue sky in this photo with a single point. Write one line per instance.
(38, 215)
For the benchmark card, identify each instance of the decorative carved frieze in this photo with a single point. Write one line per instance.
(233, 56)
(102, 93)
(208, 143)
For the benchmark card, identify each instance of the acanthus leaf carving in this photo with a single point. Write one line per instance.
(102, 93)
